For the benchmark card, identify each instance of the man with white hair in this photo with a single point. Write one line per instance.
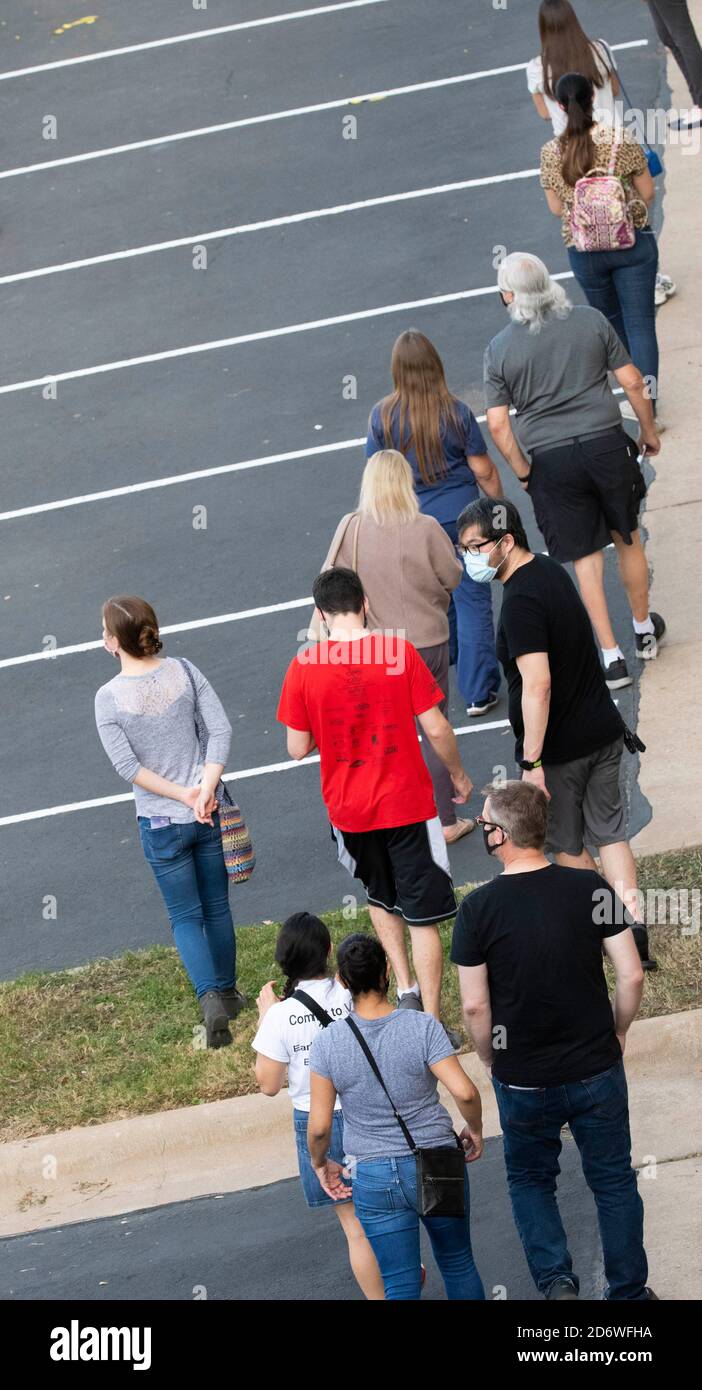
(572, 455)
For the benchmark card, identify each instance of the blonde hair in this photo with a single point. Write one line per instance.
(387, 489)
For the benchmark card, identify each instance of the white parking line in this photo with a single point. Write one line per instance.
(276, 116)
(292, 218)
(49, 654)
(98, 802)
(261, 336)
(187, 38)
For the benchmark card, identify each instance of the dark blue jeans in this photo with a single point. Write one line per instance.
(188, 863)
(597, 1111)
(622, 285)
(472, 636)
(385, 1199)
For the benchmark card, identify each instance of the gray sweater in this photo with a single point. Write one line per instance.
(149, 722)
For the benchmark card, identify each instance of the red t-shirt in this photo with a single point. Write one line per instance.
(359, 699)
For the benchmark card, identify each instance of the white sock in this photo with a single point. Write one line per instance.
(611, 654)
(645, 626)
(414, 989)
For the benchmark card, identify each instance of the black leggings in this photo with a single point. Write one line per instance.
(676, 30)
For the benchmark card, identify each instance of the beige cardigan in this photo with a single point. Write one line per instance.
(408, 570)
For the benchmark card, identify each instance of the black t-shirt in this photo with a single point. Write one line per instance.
(543, 612)
(540, 934)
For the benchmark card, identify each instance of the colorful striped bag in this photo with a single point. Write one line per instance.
(237, 848)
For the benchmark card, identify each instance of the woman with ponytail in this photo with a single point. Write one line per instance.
(413, 1054)
(288, 1026)
(146, 720)
(620, 283)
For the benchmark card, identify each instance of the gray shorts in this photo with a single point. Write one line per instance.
(586, 806)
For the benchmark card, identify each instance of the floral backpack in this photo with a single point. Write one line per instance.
(600, 218)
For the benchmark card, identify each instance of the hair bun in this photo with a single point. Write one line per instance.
(149, 641)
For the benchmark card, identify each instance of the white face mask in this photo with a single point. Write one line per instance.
(478, 568)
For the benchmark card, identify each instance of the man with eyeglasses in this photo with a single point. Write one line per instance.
(569, 733)
(528, 946)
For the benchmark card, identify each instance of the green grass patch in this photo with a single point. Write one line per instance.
(120, 1037)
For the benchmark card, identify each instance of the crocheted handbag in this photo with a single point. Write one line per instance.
(237, 848)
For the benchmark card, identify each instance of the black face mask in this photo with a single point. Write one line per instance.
(489, 830)
(505, 302)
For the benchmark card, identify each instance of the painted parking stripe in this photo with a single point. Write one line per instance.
(194, 626)
(269, 116)
(245, 773)
(171, 353)
(288, 221)
(187, 38)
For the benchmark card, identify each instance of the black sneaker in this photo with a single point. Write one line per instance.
(410, 1001)
(562, 1289)
(617, 674)
(482, 706)
(647, 642)
(641, 939)
(234, 1001)
(216, 1019)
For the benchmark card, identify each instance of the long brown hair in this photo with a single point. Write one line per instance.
(423, 401)
(565, 47)
(133, 622)
(576, 94)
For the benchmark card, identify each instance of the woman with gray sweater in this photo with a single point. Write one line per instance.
(409, 569)
(146, 722)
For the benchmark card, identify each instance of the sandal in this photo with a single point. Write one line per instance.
(461, 828)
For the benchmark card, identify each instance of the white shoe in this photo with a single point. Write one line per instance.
(475, 711)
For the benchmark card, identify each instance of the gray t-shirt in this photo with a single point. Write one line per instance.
(556, 379)
(149, 721)
(405, 1044)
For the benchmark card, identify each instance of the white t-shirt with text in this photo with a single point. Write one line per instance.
(287, 1031)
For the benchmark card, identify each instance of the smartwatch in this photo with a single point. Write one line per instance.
(529, 767)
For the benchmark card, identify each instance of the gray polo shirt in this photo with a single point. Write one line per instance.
(556, 379)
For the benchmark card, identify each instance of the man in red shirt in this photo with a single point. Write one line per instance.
(355, 697)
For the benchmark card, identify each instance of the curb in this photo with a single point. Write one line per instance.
(227, 1146)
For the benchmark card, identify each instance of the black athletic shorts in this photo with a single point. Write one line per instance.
(583, 490)
(404, 869)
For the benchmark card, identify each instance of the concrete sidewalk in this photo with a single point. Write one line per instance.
(246, 1143)
(669, 719)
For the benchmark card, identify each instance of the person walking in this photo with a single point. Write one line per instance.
(528, 946)
(620, 282)
(146, 720)
(676, 31)
(443, 443)
(355, 697)
(412, 1055)
(409, 569)
(565, 47)
(569, 734)
(551, 363)
(287, 1028)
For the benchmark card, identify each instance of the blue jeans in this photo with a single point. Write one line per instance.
(189, 867)
(597, 1111)
(385, 1200)
(312, 1190)
(472, 636)
(622, 285)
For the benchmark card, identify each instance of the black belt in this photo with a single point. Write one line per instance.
(577, 439)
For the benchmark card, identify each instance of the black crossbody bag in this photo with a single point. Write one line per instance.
(320, 1014)
(440, 1172)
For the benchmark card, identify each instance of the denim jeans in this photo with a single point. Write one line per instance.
(385, 1200)
(622, 285)
(597, 1111)
(472, 636)
(189, 867)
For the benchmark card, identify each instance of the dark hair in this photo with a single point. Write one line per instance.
(338, 591)
(576, 94)
(522, 811)
(302, 949)
(362, 964)
(496, 517)
(135, 625)
(565, 47)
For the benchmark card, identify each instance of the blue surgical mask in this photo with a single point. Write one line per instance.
(477, 566)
